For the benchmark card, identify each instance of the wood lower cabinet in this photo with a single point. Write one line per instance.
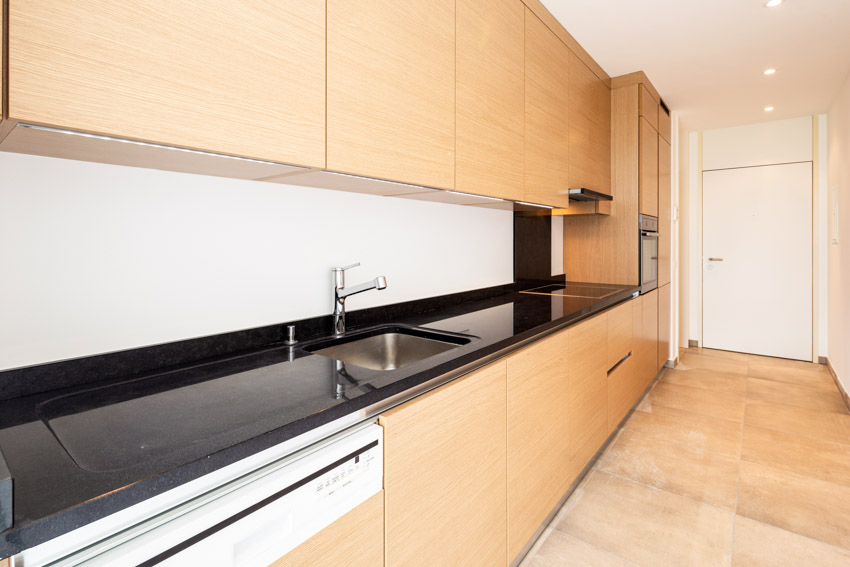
(647, 362)
(538, 436)
(664, 212)
(490, 98)
(355, 540)
(547, 98)
(621, 362)
(664, 325)
(648, 169)
(588, 390)
(238, 77)
(590, 129)
(445, 474)
(391, 90)
(623, 390)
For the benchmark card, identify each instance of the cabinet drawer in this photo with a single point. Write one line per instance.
(620, 331)
(623, 391)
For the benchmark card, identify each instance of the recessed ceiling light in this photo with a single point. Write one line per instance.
(772, 3)
(768, 108)
(769, 71)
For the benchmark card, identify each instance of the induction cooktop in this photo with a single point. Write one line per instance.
(575, 290)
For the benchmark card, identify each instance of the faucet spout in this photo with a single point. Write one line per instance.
(341, 292)
(378, 283)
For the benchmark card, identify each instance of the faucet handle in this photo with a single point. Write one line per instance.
(345, 267)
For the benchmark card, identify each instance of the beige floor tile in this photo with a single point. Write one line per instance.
(560, 550)
(786, 362)
(797, 503)
(817, 377)
(760, 545)
(802, 455)
(693, 473)
(716, 363)
(714, 352)
(688, 428)
(795, 395)
(825, 426)
(648, 526)
(723, 405)
(707, 380)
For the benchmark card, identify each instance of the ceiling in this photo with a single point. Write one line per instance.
(707, 58)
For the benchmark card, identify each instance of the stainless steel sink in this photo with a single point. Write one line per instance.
(388, 348)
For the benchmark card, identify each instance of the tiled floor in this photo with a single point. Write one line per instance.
(730, 459)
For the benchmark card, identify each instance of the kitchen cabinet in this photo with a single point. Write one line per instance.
(647, 361)
(588, 386)
(391, 90)
(665, 227)
(445, 474)
(240, 78)
(648, 169)
(490, 98)
(648, 107)
(664, 126)
(623, 391)
(664, 327)
(590, 129)
(620, 363)
(547, 121)
(355, 540)
(538, 436)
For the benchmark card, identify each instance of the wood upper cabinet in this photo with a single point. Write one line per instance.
(547, 139)
(490, 98)
(648, 169)
(590, 129)
(445, 474)
(648, 107)
(664, 339)
(664, 212)
(355, 540)
(664, 127)
(238, 77)
(391, 89)
(538, 436)
(588, 408)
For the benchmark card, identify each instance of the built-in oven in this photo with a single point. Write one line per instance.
(648, 253)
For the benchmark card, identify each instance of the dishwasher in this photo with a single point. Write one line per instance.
(255, 519)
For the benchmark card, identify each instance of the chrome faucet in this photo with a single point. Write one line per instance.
(341, 292)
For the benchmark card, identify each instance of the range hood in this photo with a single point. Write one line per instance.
(584, 194)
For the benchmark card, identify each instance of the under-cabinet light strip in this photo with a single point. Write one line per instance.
(476, 196)
(381, 180)
(533, 205)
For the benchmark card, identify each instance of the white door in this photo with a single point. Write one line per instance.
(757, 260)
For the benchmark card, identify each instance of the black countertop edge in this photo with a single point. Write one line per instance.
(44, 529)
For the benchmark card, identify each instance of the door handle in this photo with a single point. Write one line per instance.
(715, 259)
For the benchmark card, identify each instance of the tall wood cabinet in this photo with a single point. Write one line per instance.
(648, 168)
(590, 129)
(664, 330)
(241, 78)
(445, 474)
(665, 227)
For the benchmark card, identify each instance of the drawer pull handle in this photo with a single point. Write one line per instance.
(621, 361)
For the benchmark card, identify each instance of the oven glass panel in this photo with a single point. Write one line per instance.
(649, 259)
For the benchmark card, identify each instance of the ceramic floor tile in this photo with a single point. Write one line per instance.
(802, 455)
(824, 426)
(797, 503)
(648, 526)
(714, 352)
(794, 395)
(688, 428)
(693, 473)
(817, 377)
(760, 545)
(721, 405)
(786, 362)
(716, 363)
(707, 380)
(561, 549)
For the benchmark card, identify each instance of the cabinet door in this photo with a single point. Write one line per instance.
(648, 107)
(588, 408)
(239, 77)
(445, 474)
(621, 388)
(538, 436)
(355, 540)
(547, 140)
(391, 89)
(664, 307)
(648, 355)
(664, 226)
(622, 391)
(590, 129)
(490, 98)
(648, 169)
(664, 127)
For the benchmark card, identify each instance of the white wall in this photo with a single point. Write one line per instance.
(98, 258)
(839, 252)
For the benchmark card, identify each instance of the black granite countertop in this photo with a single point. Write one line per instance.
(103, 441)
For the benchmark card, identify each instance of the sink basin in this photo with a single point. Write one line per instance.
(388, 348)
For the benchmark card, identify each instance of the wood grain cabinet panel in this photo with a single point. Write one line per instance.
(391, 89)
(239, 77)
(664, 339)
(355, 540)
(664, 213)
(547, 139)
(620, 332)
(445, 474)
(648, 107)
(623, 391)
(648, 353)
(648, 169)
(590, 129)
(490, 98)
(588, 408)
(538, 436)
(664, 126)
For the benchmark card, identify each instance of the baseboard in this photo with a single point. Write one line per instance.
(692, 343)
(838, 383)
(822, 360)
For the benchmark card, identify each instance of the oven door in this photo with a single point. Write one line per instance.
(648, 261)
